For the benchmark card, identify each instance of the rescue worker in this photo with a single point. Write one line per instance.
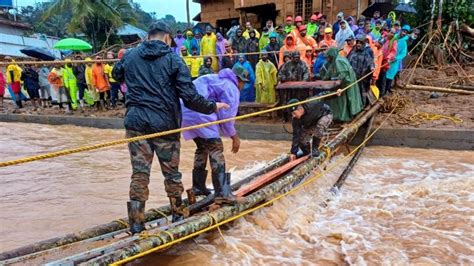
(294, 70)
(70, 83)
(310, 122)
(252, 49)
(193, 62)
(289, 46)
(265, 80)
(79, 71)
(264, 40)
(239, 43)
(228, 59)
(223, 87)
(156, 79)
(305, 40)
(55, 78)
(349, 104)
(347, 47)
(90, 83)
(190, 42)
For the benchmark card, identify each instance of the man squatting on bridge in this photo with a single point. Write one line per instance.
(310, 123)
(156, 79)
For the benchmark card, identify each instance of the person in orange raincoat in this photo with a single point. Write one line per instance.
(347, 48)
(100, 81)
(288, 46)
(327, 39)
(304, 39)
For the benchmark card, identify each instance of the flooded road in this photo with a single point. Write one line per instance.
(399, 206)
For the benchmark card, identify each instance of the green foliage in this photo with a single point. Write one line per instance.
(461, 10)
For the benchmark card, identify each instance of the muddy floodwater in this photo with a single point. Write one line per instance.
(399, 206)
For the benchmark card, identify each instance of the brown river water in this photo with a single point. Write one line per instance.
(399, 206)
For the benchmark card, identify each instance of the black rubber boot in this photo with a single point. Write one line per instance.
(199, 183)
(223, 191)
(315, 149)
(136, 216)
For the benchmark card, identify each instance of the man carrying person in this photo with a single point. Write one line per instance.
(310, 123)
(156, 79)
(223, 87)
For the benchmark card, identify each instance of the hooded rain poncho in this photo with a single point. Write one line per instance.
(266, 80)
(349, 104)
(248, 92)
(221, 87)
(343, 34)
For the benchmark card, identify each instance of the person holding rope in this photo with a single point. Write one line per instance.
(310, 123)
(156, 79)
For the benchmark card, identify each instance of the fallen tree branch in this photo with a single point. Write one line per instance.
(439, 89)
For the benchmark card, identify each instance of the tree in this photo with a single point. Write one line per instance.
(97, 19)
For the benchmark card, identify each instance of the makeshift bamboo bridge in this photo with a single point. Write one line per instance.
(109, 243)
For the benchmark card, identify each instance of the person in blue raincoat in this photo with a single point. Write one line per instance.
(248, 92)
(402, 51)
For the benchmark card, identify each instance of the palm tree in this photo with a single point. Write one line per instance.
(95, 18)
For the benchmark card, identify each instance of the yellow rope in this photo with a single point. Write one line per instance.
(162, 214)
(267, 203)
(425, 116)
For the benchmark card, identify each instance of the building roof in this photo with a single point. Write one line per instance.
(15, 24)
(128, 29)
(12, 44)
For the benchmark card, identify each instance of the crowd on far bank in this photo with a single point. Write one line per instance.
(346, 49)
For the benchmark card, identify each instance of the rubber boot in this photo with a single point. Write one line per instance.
(315, 149)
(223, 191)
(199, 183)
(178, 210)
(136, 216)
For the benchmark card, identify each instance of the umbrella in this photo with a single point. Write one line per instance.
(405, 8)
(72, 44)
(383, 8)
(39, 53)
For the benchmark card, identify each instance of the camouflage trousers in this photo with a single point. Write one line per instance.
(141, 156)
(317, 131)
(212, 148)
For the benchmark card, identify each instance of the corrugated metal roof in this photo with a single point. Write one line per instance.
(128, 29)
(12, 44)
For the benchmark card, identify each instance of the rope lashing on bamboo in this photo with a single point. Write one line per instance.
(267, 203)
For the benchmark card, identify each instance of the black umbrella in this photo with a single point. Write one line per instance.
(383, 8)
(39, 53)
(405, 8)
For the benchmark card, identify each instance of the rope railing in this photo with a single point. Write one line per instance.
(174, 131)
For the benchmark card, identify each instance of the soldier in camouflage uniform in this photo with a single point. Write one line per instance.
(294, 70)
(310, 123)
(156, 79)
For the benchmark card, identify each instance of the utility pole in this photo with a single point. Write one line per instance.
(187, 13)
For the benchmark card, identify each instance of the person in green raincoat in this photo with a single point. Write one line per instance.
(312, 26)
(349, 103)
(264, 40)
(190, 42)
(70, 82)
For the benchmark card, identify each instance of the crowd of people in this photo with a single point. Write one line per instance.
(347, 49)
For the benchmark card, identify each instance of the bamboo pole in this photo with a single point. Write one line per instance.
(150, 215)
(463, 87)
(438, 89)
(200, 222)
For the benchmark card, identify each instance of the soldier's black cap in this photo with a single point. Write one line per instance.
(292, 101)
(161, 26)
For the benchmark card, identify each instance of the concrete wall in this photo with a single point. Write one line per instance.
(451, 139)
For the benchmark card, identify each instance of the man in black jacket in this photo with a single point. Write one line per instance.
(310, 122)
(79, 71)
(156, 79)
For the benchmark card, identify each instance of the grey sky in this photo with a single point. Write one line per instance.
(177, 8)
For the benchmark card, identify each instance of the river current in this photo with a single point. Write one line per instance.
(398, 206)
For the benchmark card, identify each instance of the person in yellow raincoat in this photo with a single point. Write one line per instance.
(13, 74)
(208, 47)
(193, 63)
(266, 80)
(70, 83)
(90, 83)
